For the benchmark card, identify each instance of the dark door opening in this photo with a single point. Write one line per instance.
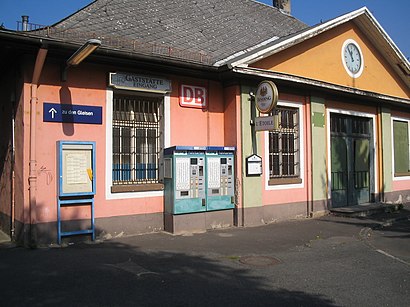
(350, 160)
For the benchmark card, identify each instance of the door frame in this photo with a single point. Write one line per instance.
(373, 150)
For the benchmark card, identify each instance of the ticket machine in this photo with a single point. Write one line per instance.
(184, 179)
(220, 178)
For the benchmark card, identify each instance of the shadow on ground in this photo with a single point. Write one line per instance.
(113, 274)
(392, 221)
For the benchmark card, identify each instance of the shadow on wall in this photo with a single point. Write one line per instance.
(10, 91)
(115, 274)
(65, 98)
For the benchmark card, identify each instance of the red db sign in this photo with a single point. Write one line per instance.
(193, 96)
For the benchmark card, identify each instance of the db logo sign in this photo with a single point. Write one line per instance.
(193, 96)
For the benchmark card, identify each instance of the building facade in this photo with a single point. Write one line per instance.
(150, 118)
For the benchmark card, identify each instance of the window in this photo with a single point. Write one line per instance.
(137, 143)
(401, 148)
(284, 150)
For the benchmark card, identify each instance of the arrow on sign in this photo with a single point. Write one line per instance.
(53, 112)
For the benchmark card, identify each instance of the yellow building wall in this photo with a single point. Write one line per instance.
(320, 58)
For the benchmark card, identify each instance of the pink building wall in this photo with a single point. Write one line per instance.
(88, 86)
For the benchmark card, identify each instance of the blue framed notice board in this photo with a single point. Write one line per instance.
(76, 181)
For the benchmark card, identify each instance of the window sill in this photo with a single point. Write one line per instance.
(281, 181)
(126, 188)
(402, 174)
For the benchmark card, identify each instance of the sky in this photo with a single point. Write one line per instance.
(392, 15)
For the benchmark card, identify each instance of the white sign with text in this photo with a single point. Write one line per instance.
(192, 96)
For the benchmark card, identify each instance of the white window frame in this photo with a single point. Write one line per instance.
(373, 187)
(108, 148)
(400, 119)
(301, 121)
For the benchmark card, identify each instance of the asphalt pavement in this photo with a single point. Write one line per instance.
(327, 261)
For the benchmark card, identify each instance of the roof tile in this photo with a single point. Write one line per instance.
(212, 27)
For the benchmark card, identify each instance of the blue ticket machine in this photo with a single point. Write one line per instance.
(220, 177)
(184, 179)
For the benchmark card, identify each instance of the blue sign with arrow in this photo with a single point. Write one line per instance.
(72, 113)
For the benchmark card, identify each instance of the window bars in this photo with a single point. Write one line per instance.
(137, 139)
(284, 144)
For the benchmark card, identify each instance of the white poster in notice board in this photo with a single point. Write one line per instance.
(76, 168)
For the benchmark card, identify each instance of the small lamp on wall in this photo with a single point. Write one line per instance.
(81, 54)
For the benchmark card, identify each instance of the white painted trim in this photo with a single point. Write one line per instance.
(108, 149)
(301, 151)
(312, 32)
(351, 74)
(233, 56)
(401, 119)
(329, 154)
(300, 37)
(167, 120)
(390, 41)
(320, 84)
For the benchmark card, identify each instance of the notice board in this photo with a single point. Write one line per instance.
(76, 168)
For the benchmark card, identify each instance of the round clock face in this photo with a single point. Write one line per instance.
(352, 58)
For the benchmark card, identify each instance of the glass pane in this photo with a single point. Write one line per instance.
(401, 146)
(137, 141)
(283, 146)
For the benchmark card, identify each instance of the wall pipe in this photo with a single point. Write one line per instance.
(13, 175)
(380, 153)
(32, 179)
(309, 155)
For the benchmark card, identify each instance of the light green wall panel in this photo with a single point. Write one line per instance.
(387, 149)
(319, 176)
(251, 144)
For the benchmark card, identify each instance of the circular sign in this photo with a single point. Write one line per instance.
(266, 96)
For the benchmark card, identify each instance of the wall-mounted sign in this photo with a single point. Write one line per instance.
(193, 96)
(253, 165)
(72, 113)
(264, 123)
(76, 168)
(266, 96)
(122, 80)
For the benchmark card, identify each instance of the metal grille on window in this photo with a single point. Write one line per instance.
(137, 139)
(284, 144)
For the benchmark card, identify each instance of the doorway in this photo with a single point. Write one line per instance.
(351, 163)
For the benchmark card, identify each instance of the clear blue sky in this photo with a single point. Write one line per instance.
(391, 14)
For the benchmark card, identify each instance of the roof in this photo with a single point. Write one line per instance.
(366, 22)
(214, 29)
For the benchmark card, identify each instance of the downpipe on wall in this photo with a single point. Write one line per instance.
(13, 175)
(32, 179)
(309, 155)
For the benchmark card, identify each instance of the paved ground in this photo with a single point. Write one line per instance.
(330, 261)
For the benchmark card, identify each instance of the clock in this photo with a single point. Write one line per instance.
(352, 58)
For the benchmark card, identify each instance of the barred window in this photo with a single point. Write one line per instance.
(137, 139)
(284, 152)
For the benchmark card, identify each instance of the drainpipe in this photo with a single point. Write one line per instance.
(309, 155)
(380, 170)
(13, 175)
(32, 179)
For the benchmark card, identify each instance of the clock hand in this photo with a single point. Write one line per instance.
(351, 54)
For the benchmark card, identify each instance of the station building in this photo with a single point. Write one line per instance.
(134, 117)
